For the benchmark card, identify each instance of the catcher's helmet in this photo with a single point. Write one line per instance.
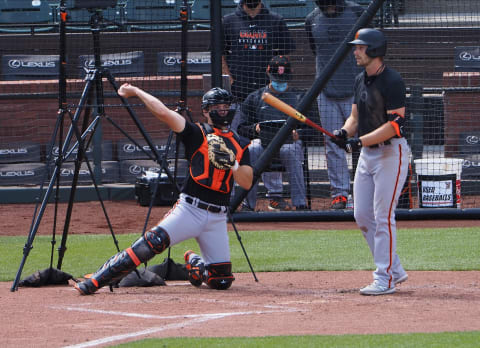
(279, 69)
(373, 39)
(219, 96)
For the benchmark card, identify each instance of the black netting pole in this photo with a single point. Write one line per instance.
(308, 98)
(216, 42)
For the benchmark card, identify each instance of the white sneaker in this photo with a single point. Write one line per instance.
(375, 289)
(402, 279)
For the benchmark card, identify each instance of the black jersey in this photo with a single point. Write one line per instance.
(193, 138)
(249, 44)
(374, 95)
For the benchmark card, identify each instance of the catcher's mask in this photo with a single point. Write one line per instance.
(374, 40)
(217, 96)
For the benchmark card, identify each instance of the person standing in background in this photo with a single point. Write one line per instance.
(252, 35)
(326, 27)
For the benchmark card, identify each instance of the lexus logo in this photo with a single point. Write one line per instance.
(472, 139)
(129, 148)
(14, 63)
(170, 61)
(467, 56)
(135, 169)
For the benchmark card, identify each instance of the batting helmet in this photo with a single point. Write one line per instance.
(373, 39)
(219, 96)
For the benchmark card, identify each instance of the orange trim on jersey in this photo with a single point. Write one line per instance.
(390, 211)
(219, 178)
(132, 255)
(396, 127)
(94, 281)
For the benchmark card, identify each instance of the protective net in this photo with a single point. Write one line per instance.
(433, 44)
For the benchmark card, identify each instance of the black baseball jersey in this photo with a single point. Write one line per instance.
(193, 138)
(374, 95)
(249, 44)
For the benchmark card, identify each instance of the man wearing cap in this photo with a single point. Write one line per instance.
(252, 35)
(256, 121)
(326, 27)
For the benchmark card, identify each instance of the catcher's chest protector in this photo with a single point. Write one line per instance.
(203, 172)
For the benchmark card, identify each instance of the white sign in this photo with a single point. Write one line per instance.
(437, 194)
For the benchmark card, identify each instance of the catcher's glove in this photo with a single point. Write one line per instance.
(219, 154)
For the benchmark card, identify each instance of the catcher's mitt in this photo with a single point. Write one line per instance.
(218, 153)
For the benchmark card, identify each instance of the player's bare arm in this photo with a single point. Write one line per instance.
(351, 124)
(244, 176)
(384, 132)
(174, 120)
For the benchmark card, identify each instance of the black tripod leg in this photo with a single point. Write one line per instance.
(91, 129)
(229, 214)
(46, 197)
(140, 127)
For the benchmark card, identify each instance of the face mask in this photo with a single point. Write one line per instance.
(252, 3)
(279, 86)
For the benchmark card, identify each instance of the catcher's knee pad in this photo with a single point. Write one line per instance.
(195, 268)
(153, 242)
(219, 275)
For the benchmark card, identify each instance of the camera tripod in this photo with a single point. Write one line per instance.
(92, 94)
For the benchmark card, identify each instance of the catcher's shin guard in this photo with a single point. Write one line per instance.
(219, 275)
(118, 266)
(195, 268)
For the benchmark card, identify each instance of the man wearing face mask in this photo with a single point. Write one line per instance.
(256, 121)
(252, 35)
(326, 27)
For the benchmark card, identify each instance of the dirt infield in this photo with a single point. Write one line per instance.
(298, 303)
(295, 303)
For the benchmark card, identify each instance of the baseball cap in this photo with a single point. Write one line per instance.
(279, 69)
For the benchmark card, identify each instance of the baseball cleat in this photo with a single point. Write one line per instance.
(376, 289)
(195, 268)
(402, 279)
(339, 202)
(86, 287)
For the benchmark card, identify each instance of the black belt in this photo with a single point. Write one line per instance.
(205, 206)
(383, 143)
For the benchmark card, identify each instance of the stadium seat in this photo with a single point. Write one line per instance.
(294, 11)
(25, 12)
(149, 12)
(201, 11)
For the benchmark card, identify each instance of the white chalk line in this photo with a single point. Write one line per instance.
(193, 319)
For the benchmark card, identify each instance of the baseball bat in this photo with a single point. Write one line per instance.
(287, 109)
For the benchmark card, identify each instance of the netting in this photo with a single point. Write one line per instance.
(434, 45)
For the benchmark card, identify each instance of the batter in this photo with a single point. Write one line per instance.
(378, 114)
(217, 157)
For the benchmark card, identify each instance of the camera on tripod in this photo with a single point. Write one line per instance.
(94, 4)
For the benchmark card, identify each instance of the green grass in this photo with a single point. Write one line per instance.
(448, 339)
(419, 249)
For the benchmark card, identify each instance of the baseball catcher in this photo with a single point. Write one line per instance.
(217, 156)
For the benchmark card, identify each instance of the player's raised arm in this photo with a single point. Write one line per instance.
(174, 120)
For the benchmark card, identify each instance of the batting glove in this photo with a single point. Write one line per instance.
(340, 137)
(352, 145)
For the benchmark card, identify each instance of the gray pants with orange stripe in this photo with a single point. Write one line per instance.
(379, 179)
